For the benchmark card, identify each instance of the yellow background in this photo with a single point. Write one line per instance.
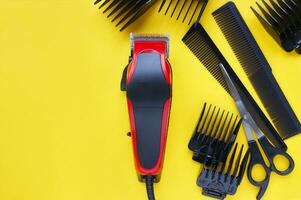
(63, 120)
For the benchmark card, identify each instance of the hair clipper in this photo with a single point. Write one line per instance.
(147, 81)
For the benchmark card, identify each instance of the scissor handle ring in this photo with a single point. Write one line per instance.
(283, 172)
(271, 152)
(257, 159)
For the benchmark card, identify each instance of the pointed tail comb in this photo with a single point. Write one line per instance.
(186, 10)
(124, 12)
(219, 181)
(214, 135)
(282, 20)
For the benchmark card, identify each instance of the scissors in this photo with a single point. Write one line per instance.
(269, 150)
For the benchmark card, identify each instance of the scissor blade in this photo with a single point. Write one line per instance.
(248, 122)
(238, 99)
(232, 88)
(250, 111)
(248, 131)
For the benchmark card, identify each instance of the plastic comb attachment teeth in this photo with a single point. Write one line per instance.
(282, 20)
(201, 45)
(214, 135)
(219, 181)
(124, 12)
(184, 10)
(257, 69)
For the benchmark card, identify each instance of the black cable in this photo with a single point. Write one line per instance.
(149, 180)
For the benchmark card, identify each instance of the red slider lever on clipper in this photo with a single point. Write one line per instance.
(147, 81)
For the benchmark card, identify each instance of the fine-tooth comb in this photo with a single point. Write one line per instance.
(282, 20)
(202, 46)
(218, 181)
(125, 12)
(192, 9)
(257, 69)
(214, 136)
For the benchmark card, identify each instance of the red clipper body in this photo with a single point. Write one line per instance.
(147, 81)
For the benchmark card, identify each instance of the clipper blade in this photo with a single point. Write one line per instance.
(124, 12)
(160, 38)
(282, 20)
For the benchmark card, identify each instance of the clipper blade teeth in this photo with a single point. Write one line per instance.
(151, 37)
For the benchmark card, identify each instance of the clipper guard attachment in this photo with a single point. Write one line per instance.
(219, 181)
(191, 10)
(282, 20)
(124, 12)
(214, 136)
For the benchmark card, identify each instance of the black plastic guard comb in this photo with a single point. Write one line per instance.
(214, 135)
(219, 181)
(257, 69)
(191, 10)
(282, 20)
(202, 46)
(124, 12)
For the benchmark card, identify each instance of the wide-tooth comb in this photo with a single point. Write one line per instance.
(125, 12)
(184, 9)
(202, 46)
(257, 69)
(214, 135)
(282, 20)
(219, 181)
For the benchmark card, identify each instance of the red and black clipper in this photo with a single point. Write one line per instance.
(147, 81)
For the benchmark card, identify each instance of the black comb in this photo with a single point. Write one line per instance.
(282, 20)
(257, 69)
(184, 9)
(219, 181)
(202, 46)
(214, 136)
(124, 12)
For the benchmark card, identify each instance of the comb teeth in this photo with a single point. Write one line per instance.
(185, 10)
(214, 135)
(195, 39)
(231, 160)
(282, 20)
(240, 39)
(201, 45)
(257, 69)
(216, 124)
(124, 12)
(218, 182)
